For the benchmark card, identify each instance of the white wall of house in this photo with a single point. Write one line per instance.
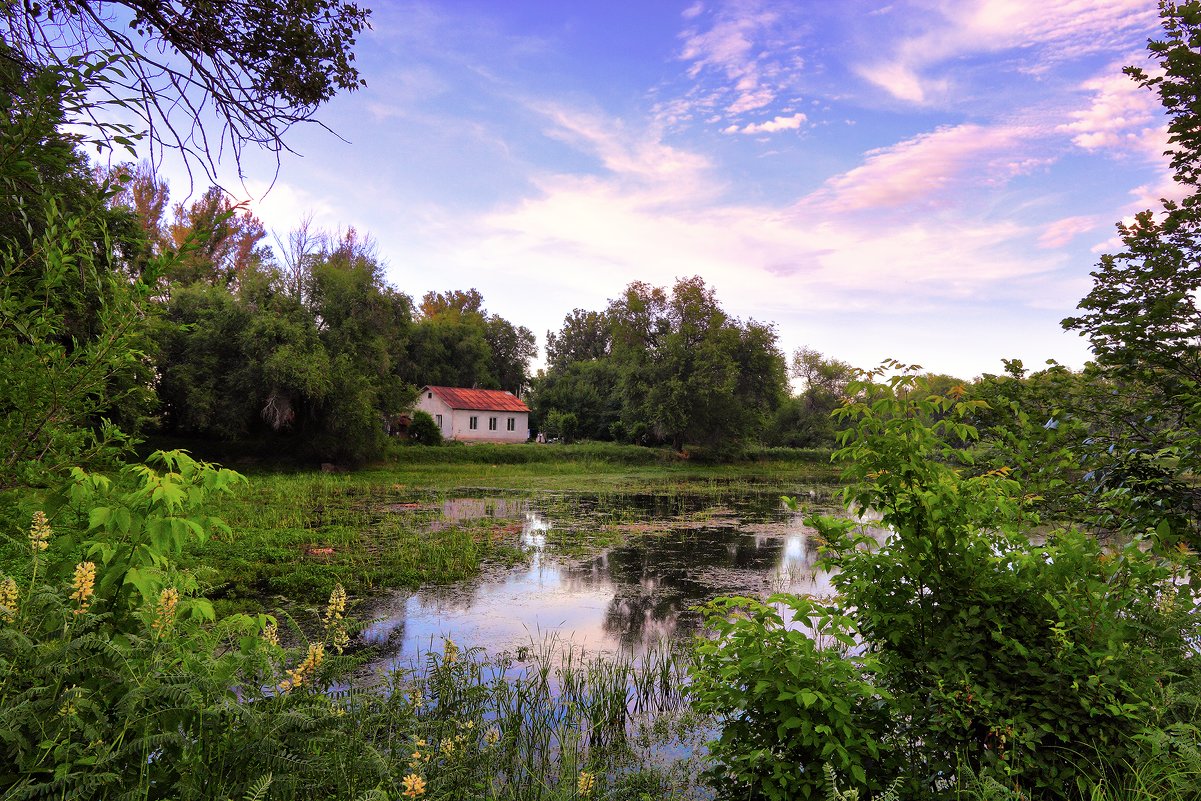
(456, 423)
(461, 427)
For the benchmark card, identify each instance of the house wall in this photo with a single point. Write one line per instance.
(456, 423)
(461, 428)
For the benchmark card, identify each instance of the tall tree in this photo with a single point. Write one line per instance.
(585, 335)
(458, 343)
(216, 240)
(689, 373)
(1142, 317)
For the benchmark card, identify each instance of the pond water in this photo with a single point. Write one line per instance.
(605, 574)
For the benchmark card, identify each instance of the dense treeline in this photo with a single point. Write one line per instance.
(661, 367)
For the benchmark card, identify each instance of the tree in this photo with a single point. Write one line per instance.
(72, 302)
(585, 335)
(1142, 317)
(216, 240)
(258, 66)
(688, 371)
(805, 421)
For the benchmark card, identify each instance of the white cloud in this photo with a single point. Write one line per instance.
(1121, 116)
(775, 125)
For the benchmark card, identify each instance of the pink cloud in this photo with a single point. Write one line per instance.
(1050, 30)
(1063, 231)
(1120, 116)
(926, 168)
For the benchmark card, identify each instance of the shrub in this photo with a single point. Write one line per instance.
(423, 430)
(786, 705)
(993, 654)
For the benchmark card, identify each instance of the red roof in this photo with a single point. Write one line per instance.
(483, 400)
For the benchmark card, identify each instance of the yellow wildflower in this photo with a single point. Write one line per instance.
(492, 737)
(84, 584)
(340, 638)
(451, 652)
(271, 635)
(336, 606)
(39, 532)
(447, 747)
(164, 611)
(414, 786)
(585, 784)
(303, 672)
(8, 600)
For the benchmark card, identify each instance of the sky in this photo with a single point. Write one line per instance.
(929, 181)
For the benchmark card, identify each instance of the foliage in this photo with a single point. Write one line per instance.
(258, 66)
(423, 430)
(73, 363)
(999, 653)
(785, 704)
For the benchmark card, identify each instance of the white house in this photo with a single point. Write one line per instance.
(476, 415)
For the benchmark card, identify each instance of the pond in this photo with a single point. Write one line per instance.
(606, 574)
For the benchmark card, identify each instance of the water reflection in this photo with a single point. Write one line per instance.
(632, 596)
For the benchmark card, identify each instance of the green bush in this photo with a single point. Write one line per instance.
(423, 430)
(996, 650)
(787, 705)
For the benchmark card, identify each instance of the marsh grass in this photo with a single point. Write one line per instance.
(530, 726)
(294, 535)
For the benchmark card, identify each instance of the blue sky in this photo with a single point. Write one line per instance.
(927, 181)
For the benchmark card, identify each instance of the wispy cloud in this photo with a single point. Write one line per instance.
(1042, 32)
(628, 155)
(742, 56)
(930, 169)
(1063, 231)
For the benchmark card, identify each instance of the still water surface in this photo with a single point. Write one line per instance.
(605, 574)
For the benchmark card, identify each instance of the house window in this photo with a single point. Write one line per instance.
(439, 419)
(512, 424)
(429, 394)
(473, 423)
(491, 423)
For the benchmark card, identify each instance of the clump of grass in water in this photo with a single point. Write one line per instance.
(558, 724)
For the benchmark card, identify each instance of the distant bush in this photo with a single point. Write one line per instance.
(423, 430)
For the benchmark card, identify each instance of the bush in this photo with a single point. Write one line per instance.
(423, 430)
(787, 706)
(993, 654)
